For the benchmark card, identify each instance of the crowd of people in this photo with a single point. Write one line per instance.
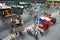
(15, 22)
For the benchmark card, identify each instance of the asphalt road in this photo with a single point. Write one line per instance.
(52, 34)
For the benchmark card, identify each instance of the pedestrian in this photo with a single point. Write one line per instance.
(17, 22)
(11, 28)
(20, 33)
(44, 13)
(16, 31)
(35, 16)
(21, 30)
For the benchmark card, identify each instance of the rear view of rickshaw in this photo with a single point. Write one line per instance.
(32, 30)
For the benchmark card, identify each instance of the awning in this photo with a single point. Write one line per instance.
(3, 6)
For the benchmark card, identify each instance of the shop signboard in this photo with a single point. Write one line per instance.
(24, 4)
